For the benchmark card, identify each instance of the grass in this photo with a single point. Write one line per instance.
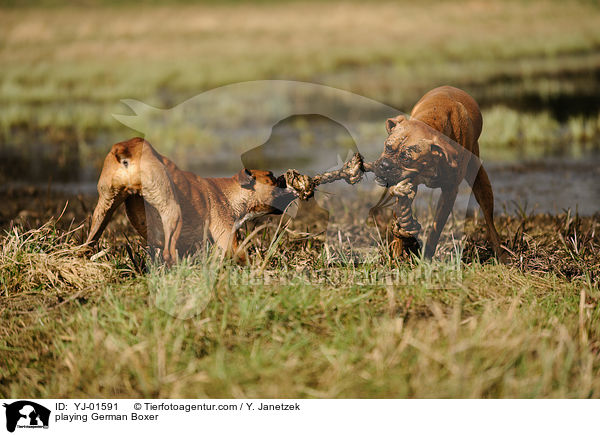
(302, 320)
(191, 48)
(41, 259)
(298, 322)
(65, 69)
(508, 131)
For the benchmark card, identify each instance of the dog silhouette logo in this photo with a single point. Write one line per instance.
(26, 414)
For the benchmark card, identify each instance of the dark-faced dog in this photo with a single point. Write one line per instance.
(426, 149)
(175, 210)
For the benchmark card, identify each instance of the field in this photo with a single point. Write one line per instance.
(299, 320)
(64, 70)
(299, 323)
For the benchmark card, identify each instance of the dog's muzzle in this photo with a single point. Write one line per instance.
(283, 196)
(281, 183)
(386, 172)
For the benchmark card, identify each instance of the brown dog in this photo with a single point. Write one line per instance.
(176, 210)
(417, 151)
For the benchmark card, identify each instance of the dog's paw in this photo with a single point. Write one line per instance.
(404, 247)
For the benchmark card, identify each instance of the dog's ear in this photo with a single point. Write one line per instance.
(443, 148)
(246, 179)
(390, 123)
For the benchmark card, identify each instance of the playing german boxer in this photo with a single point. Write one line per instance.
(176, 210)
(426, 149)
(437, 146)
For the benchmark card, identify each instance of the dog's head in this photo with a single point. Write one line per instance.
(270, 195)
(413, 150)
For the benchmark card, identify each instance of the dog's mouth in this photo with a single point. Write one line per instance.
(283, 200)
(285, 191)
(387, 175)
(288, 194)
(388, 180)
(380, 181)
(281, 183)
(283, 195)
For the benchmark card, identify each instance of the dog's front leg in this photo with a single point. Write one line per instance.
(172, 223)
(228, 243)
(443, 209)
(108, 202)
(170, 216)
(158, 191)
(136, 212)
(238, 256)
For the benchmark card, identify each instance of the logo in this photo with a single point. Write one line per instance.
(26, 414)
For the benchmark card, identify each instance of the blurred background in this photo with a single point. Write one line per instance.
(533, 66)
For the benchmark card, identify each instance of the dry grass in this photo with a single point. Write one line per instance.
(301, 320)
(565, 245)
(298, 323)
(47, 259)
(522, 337)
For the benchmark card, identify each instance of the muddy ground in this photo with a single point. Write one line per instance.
(566, 244)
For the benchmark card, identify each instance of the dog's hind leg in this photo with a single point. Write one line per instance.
(136, 212)
(482, 189)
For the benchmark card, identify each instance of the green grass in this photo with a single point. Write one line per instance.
(65, 69)
(511, 134)
(298, 323)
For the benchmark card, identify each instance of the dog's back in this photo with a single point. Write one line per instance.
(133, 169)
(451, 111)
(176, 210)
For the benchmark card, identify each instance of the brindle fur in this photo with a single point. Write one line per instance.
(174, 209)
(418, 149)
